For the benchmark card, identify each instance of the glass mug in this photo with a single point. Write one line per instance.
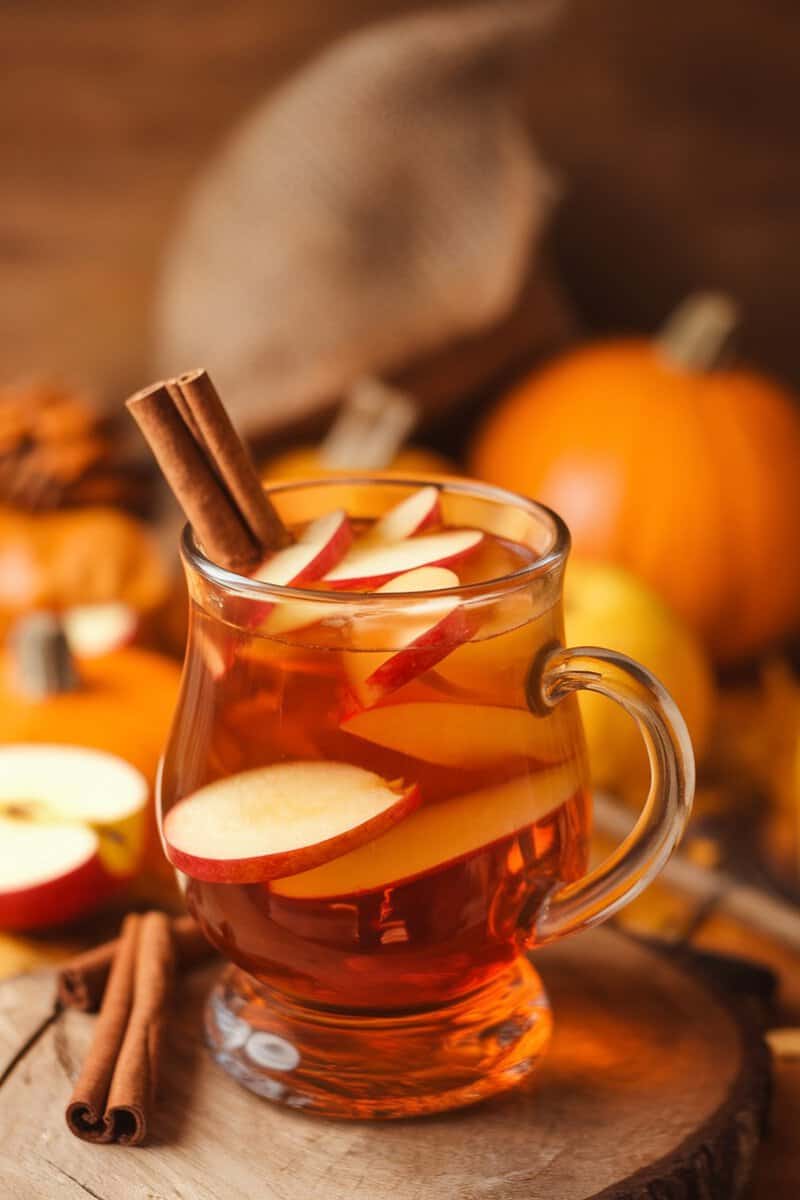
(394, 978)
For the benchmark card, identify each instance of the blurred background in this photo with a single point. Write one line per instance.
(554, 245)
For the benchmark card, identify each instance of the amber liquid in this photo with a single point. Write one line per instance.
(425, 937)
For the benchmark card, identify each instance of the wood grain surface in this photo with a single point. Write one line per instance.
(649, 1084)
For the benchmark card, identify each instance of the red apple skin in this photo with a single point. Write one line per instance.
(368, 583)
(262, 867)
(431, 519)
(419, 656)
(414, 876)
(59, 900)
(328, 555)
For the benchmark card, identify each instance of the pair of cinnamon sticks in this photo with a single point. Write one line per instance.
(130, 979)
(209, 470)
(216, 484)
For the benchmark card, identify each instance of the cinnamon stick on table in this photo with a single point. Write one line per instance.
(114, 1093)
(82, 980)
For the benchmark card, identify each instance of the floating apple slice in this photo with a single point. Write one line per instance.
(290, 615)
(461, 735)
(366, 566)
(72, 826)
(317, 550)
(438, 835)
(421, 510)
(493, 668)
(94, 629)
(278, 820)
(432, 630)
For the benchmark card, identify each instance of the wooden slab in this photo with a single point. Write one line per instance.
(652, 1088)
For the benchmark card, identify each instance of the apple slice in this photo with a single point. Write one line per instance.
(318, 549)
(421, 510)
(72, 827)
(438, 835)
(432, 630)
(274, 821)
(367, 566)
(494, 668)
(470, 736)
(95, 629)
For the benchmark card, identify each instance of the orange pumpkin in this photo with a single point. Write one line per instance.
(77, 556)
(120, 702)
(689, 477)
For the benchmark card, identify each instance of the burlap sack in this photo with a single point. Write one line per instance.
(380, 214)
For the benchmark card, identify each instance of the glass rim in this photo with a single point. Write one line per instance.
(241, 585)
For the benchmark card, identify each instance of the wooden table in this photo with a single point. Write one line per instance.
(778, 1166)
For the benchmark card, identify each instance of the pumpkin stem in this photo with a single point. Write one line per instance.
(373, 423)
(42, 657)
(695, 336)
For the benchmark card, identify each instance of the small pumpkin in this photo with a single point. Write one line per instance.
(687, 475)
(54, 560)
(120, 702)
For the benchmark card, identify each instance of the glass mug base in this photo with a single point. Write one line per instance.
(358, 1066)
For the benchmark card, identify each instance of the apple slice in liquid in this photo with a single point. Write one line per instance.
(438, 835)
(277, 820)
(367, 566)
(421, 638)
(318, 549)
(470, 736)
(493, 668)
(422, 510)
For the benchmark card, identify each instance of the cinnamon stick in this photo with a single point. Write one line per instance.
(87, 1106)
(82, 980)
(208, 417)
(133, 1085)
(113, 1096)
(219, 525)
(209, 470)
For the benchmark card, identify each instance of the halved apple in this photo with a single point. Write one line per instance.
(470, 736)
(431, 630)
(72, 828)
(421, 510)
(277, 820)
(368, 565)
(95, 629)
(438, 835)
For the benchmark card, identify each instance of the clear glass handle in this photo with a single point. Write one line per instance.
(639, 858)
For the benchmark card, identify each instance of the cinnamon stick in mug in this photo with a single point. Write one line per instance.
(209, 470)
(208, 416)
(219, 525)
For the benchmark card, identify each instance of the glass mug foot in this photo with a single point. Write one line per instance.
(339, 1065)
